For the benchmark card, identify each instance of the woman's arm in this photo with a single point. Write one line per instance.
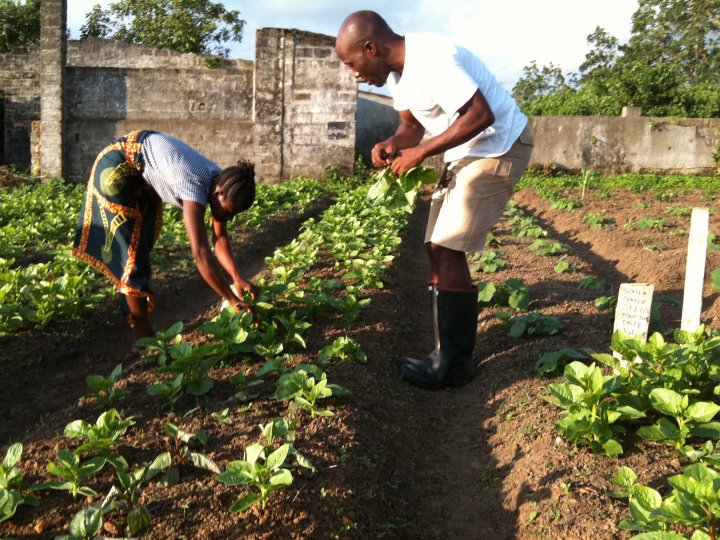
(223, 252)
(206, 261)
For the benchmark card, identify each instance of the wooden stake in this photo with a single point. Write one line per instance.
(695, 270)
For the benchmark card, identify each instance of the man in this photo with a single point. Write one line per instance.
(443, 88)
(121, 216)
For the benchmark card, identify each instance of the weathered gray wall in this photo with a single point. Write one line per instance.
(237, 110)
(20, 83)
(305, 103)
(599, 143)
(626, 144)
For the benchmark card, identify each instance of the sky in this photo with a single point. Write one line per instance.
(506, 34)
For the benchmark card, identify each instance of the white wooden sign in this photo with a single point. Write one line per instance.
(632, 313)
(695, 270)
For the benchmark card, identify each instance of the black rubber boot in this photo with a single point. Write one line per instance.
(434, 353)
(457, 327)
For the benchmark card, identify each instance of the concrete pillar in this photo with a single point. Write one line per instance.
(53, 44)
(631, 112)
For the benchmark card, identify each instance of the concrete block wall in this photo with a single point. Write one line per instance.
(19, 83)
(210, 109)
(628, 144)
(305, 102)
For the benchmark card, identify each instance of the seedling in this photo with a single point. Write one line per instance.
(243, 387)
(101, 436)
(265, 472)
(126, 497)
(305, 386)
(512, 293)
(180, 453)
(592, 283)
(588, 417)
(548, 248)
(85, 525)
(103, 387)
(193, 363)
(11, 478)
(162, 342)
(73, 473)
(222, 417)
(551, 362)
(171, 391)
(604, 303)
(535, 324)
(343, 349)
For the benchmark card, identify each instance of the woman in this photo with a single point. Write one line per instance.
(122, 215)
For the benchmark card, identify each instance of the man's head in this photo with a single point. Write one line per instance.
(364, 45)
(233, 191)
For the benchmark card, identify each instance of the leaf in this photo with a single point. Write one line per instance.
(12, 456)
(662, 430)
(243, 503)
(666, 401)
(281, 479)
(277, 458)
(702, 411)
(204, 462)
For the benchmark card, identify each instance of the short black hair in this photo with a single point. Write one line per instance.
(237, 184)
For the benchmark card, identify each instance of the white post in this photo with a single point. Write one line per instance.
(695, 270)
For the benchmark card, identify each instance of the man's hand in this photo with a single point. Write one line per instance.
(383, 153)
(406, 160)
(244, 285)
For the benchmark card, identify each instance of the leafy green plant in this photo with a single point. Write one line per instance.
(598, 220)
(548, 248)
(180, 454)
(263, 471)
(604, 303)
(162, 342)
(351, 305)
(487, 261)
(691, 419)
(11, 477)
(692, 503)
(73, 473)
(511, 293)
(99, 437)
(553, 361)
(535, 324)
(305, 386)
(343, 349)
(563, 265)
(588, 416)
(592, 283)
(103, 388)
(85, 525)
(243, 386)
(171, 391)
(715, 278)
(125, 497)
(193, 363)
(222, 417)
(400, 192)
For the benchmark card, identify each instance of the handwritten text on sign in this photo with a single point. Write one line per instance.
(632, 314)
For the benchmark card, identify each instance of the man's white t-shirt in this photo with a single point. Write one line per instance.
(438, 78)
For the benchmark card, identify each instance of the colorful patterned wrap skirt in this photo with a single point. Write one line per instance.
(120, 219)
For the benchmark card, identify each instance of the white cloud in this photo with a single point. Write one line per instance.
(507, 35)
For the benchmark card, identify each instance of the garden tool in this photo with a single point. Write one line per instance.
(453, 364)
(432, 287)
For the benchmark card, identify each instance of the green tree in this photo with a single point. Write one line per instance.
(536, 82)
(19, 23)
(668, 67)
(183, 25)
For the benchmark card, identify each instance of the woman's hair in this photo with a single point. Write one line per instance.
(237, 184)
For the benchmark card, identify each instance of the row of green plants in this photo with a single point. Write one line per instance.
(657, 390)
(34, 294)
(290, 300)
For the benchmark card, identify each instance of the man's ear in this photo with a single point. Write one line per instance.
(370, 48)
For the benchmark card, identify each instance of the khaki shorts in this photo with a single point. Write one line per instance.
(472, 194)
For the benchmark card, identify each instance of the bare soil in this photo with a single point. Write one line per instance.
(478, 462)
